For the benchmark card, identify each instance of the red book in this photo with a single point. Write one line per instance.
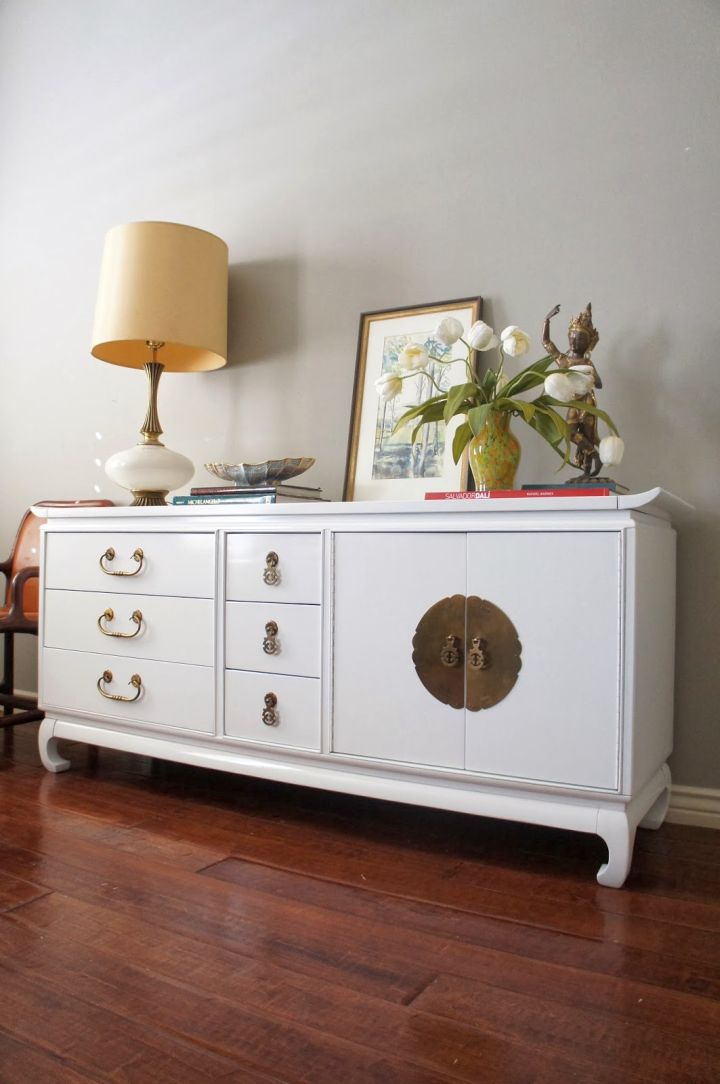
(528, 494)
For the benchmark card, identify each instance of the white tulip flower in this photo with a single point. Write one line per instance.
(582, 378)
(559, 386)
(514, 341)
(388, 386)
(611, 450)
(569, 384)
(481, 336)
(449, 331)
(413, 357)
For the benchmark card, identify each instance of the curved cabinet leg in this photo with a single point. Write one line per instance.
(47, 746)
(658, 810)
(619, 834)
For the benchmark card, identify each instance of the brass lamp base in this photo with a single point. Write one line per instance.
(147, 497)
(150, 470)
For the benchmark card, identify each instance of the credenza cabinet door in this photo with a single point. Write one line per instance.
(384, 583)
(560, 723)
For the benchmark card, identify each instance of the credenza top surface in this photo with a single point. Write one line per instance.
(655, 502)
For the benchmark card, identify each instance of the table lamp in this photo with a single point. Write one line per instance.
(162, 304)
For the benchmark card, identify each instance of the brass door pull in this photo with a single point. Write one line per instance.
(109, 615)
(478, 656)
(270, 715)
(450, 652)
(271, 575)
(135, 681)
(270, 643)
(109, 555)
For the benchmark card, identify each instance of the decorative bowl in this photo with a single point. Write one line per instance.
(260, 474)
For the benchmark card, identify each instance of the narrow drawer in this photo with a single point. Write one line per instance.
(172, 695)
(296, 577)
(297, 709)
(137, 626)
(294, 649)
(170, 564)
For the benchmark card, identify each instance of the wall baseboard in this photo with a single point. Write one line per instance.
(699, 806)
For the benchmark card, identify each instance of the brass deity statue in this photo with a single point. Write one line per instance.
(582, 339)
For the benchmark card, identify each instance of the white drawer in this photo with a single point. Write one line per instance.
(297, 573)
(297, 642)
(171, 564)
(297, 709)
(172, 695)
(169, 629)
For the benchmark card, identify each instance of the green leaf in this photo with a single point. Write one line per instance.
(523, 382)
(463, 436)
(433, 414)
(588, 408)
(417, 411)
(477, 418)
(545, 425)
(456, 397)
(517, 405)
(487, 384)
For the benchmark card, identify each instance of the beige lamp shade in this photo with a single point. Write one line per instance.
(167, 283)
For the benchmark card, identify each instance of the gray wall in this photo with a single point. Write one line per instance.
(361, 154)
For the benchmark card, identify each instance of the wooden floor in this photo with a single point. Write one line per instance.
(167, 924)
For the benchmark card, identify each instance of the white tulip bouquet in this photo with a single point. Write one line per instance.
(495, 390)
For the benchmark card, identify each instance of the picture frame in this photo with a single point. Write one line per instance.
(382, 465)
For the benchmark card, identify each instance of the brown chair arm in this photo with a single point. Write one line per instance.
(16, 614)
(5, 566)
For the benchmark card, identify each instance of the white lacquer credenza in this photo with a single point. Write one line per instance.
(510, 658)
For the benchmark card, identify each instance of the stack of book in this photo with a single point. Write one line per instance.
(250, 494)
(607, 489)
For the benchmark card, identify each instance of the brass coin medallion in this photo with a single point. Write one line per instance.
(466, 652)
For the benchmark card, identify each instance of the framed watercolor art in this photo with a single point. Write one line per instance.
(382, 464)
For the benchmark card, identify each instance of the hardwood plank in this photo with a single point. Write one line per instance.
(15, 892)
(348, 938)
(628, 1047)
(21, 1061)
(558, 901)
(314, 941)
(180, 971)
(90, 1038)
(592, 990)
(216, 1023)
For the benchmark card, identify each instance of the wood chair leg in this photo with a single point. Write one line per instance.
(8, 679)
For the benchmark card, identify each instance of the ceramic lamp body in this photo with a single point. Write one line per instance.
(149, 469)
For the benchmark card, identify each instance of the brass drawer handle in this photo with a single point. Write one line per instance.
(450, 653)
(270, 715)
(109, 555)
(109, 615)
(478, 655)
(270, 642)
(271, 575)
(107, 677)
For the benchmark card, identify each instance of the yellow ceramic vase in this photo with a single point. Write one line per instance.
(494, 453)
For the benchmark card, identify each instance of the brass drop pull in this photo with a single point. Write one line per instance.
(135, 681)
(450, 653)
(109, 555)
(478, 656)
(109, 615)
(270, 714)
(270, 643)
(271, 575)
